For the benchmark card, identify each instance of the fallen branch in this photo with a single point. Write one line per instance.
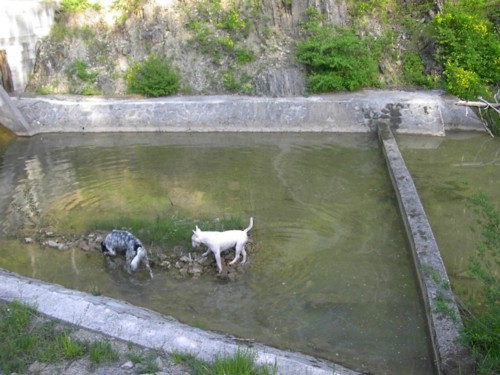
(485, 124)
(482, 104)
(493, 106)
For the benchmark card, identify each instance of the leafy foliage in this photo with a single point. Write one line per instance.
(154, 77)
(126, 8)
(78, 68)
(482, 330)
(220, 31)
(337, 59)
(413, 71)
(82, 81)
(78, 5)
(468, 49)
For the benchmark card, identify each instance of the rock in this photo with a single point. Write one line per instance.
(165, 264)
(28, 240)
(56, 245)
(128, 365)
(195, 269)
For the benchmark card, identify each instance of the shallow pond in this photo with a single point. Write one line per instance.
(330, 270)
(447, 173)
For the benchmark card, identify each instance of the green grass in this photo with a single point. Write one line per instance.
(101, 351)
(145, 361)
(241, 363)
(22, 343)
(170, 230)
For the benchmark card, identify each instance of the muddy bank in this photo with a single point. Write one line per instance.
(178, 261)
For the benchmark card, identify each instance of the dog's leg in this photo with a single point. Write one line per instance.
(131, 261)
(145, 260)
(217, 259)
(141, 256)
(244, 252)
(240, 249)
(237, 254)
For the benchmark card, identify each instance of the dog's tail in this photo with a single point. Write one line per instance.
(250, 226)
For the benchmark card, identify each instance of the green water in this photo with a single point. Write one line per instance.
(330, 274)
(447, 172)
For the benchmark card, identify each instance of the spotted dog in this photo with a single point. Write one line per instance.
(120, 242)
(220, 241)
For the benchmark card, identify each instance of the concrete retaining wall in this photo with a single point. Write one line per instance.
(426, 112)
(22, 24)
(11, 117)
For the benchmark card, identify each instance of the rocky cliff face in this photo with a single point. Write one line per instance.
(217, 47)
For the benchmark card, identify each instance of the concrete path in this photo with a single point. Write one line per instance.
(148, 329)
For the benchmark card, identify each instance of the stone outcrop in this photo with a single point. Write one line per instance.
(201, 44)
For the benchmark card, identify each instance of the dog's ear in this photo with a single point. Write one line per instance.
(197, 229)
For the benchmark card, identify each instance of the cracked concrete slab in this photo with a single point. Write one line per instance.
(146, 328)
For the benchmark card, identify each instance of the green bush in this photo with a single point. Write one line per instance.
(154, 77)
(78, 69)
(337, 59)
(78, 5)
(413, 71)
(468, 49)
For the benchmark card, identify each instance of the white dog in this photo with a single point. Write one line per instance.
(220, 241)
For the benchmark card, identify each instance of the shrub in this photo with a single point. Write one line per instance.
(469, 50)
(243, 56)
(154, 77)
(337, 59)
(462, 82)
(413, 71)
(78, 5)
(78, 69)
(238, 83)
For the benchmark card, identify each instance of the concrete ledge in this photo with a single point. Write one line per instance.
(442, 313)
(146, 328)
(420, 112)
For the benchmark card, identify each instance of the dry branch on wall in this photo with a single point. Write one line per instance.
(481, 105)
